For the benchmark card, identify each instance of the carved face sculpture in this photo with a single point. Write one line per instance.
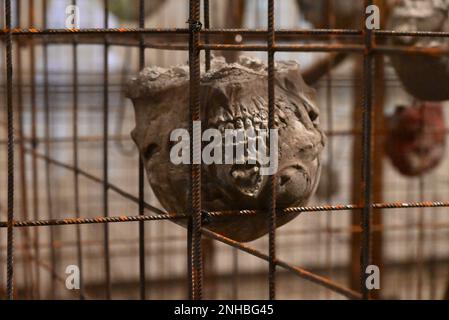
(233, 96)
(425, 76)
(416, 140)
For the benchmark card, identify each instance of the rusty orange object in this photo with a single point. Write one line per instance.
(416, 139)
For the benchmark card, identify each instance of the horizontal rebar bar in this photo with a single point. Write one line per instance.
(231, 31)
(170, 35)
(218, 214)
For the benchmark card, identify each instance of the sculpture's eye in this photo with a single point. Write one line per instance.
(150, 150)
(313, 115)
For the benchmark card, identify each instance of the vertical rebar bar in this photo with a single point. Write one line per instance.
(272, 181)
(194, 232)
(141, 171)
(79, 249)
(365, 253)
(107, 259)
(10, 129)
(47, 142)
(28, 266)
(206, 11)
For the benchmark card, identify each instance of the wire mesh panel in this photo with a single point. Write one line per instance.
(75, 193)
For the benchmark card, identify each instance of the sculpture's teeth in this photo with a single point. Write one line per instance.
(220, 118)
(236, 110)
(244, 110)
(256, 122)
(239, 124)
(229, 126)
(263, 115)
(224, 114)
(248, 123)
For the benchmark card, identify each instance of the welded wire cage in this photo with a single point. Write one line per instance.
(75, 193)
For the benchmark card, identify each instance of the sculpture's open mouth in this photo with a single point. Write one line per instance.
(247, 178)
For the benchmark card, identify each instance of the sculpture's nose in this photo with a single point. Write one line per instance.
(293, 183)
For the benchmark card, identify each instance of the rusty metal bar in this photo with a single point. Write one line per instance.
(34, 175)
(36, 32)
(28, 269)
(366, 184)
(272, 182)
(194, 234)
(10, 132)
(285, 36)
(168, 216)
(35, 216)
(181, 216)
(107, 260)
(142, 274)
(206, 11)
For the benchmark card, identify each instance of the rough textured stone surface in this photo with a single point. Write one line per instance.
(416, 140)
(425, 76)
(232, 96)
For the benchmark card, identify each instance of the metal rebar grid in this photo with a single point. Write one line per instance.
(193, 39)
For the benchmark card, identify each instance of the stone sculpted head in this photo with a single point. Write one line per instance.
(233, 96)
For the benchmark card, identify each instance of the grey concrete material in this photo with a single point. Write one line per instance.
(232, 96)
